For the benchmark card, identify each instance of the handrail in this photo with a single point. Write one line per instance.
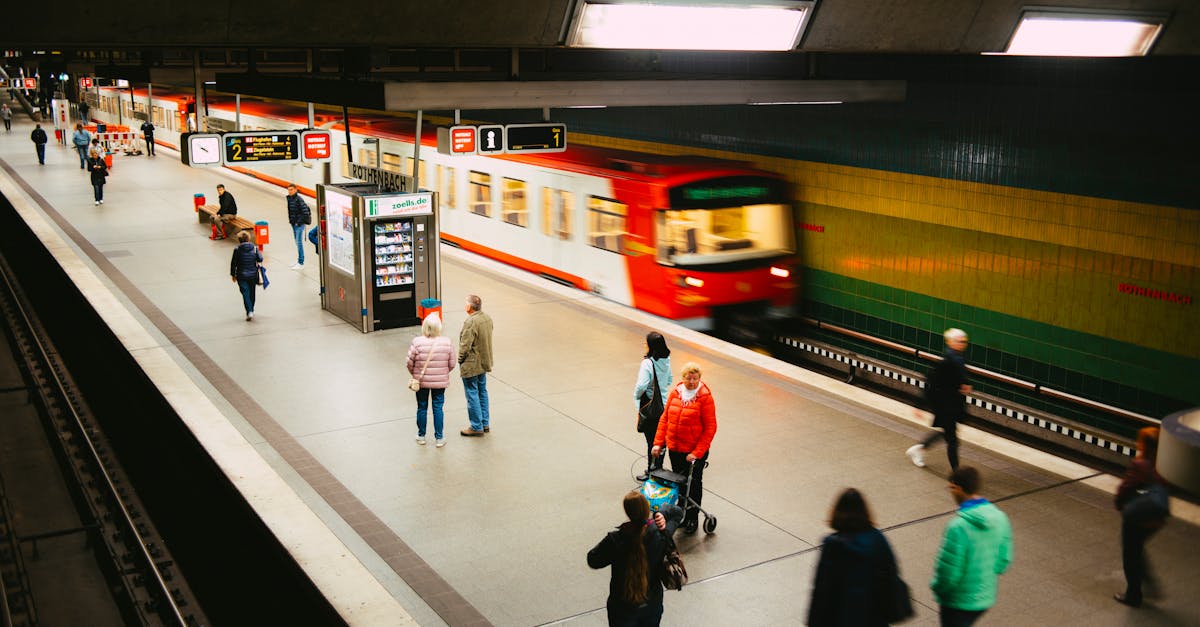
(983, 372)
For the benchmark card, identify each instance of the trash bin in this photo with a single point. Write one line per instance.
(428, 306)
(58, 135)
(101, 127)
(262, 234)
(197, 201)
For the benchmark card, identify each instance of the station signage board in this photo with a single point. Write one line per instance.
(316, 145)
(262, 147)
(85, 82)
(491, 139)
(18, 83)
(524, 138)
(457, 140)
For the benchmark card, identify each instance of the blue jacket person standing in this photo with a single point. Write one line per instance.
(81, 139)
(299, 216)
(243, 270)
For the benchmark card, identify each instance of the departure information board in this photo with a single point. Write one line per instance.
(262, 146)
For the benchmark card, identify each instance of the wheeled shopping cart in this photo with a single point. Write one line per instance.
(664, 487)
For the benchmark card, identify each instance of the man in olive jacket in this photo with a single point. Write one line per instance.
(976, 550)
(475, 359)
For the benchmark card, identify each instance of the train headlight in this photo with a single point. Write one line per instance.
(782, 273)
(693, 281)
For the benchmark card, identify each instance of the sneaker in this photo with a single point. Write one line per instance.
(294, 266)
(641, 478)
(914, 453)
(421, 440)
(248, 317)
(97, 203)
(441, 443)
(252, 315)
(102, 202)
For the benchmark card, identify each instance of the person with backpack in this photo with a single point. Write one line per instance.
(655, 368)
(299, 216)
(636, 551)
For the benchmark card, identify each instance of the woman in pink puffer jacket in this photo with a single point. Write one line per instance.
(431, 357)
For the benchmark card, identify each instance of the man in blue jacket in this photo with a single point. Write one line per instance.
(299, 215)
(976, 550)
(81, 139)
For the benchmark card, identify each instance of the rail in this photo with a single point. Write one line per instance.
(126, 518)
(989, 374)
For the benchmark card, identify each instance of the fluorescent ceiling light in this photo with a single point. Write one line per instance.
(668, 25)
(1067, 34)
(799, 102)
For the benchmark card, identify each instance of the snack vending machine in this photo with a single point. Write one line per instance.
(380, 257)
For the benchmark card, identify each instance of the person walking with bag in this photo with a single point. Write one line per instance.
(430, 359)
(299, 216)
(635, 551)
(1144, 504)
(243, 270)
(98, 176)
(650, 391)
(686, 429)
(857, 581)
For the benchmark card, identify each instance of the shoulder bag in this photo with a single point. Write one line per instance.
(892, 595)
(1151, 504)
(652, 408)
(674, 572)
(415, 384)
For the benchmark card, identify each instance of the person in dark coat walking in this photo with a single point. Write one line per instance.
(39, 142)
(856, 563)
(635, 551)
(946, 388)
(148, 135)
(99, 174)
(1136, 530)
(299, 215)
(243, 270)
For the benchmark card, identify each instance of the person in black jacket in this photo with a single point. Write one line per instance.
(148, 134)
(39, 142)
(99, 173)
(946, 388)
(243, 270)
(227, 211)
(299, 215)
(635, 551)
(856, 567)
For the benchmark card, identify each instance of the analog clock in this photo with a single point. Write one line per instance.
(204, 149)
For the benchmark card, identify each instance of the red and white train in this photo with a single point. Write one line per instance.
(701, 241)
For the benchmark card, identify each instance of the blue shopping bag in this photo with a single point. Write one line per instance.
(262, 273)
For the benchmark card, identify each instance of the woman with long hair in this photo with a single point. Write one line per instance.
(656, 366)
(856, 563)
(635, 551)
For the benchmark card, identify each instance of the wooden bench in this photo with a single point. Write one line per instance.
(235, 225)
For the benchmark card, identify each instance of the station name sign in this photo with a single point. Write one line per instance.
(497, 139)
(18, 83)
(277, 147)
(387, 180)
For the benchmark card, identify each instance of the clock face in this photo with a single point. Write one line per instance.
(204, 149)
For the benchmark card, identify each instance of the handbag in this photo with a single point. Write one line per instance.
(1151, 504)
(652, 408)
(674, 572)
(897, 605)
(415, 384)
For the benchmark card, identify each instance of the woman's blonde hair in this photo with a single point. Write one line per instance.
(243, 237)
(432, 325)
(689, 368)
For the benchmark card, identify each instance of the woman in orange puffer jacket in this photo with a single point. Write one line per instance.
(686, 428)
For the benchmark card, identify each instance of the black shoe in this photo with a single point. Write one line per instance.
(1121, 598)
(690, 527)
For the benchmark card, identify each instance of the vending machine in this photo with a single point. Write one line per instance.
(380, 254)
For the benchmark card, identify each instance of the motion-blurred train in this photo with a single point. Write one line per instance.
(709, 243)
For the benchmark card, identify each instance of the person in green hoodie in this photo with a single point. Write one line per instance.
(976, 550)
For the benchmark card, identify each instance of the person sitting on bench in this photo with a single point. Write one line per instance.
(226, 213)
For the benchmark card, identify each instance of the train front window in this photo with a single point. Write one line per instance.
(721, 220)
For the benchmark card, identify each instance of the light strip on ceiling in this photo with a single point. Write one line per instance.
(1071, 34)
(670, 25)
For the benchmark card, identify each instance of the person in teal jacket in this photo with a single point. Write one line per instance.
(976, 550)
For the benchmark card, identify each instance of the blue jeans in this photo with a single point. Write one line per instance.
(298, 233)
(246, 287)
(439, 399)
(82, 150)
(98, 191)
(477, 401)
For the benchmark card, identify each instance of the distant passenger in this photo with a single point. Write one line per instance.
(976, 550)
(635, 551)
(946, 388)
(686, 429)
(83, 110)
(475, 357)
(98, 176)
(96, 152)
(650, 394)
(1143, 501)
(81, 139)
(191, 123)
(856, 571)
(148, 135)
(299, 215)
(430, 360)
(243, 270)
(6, 114)
(39, 143)
(226, 213)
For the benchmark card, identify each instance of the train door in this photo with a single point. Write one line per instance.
(557, 221)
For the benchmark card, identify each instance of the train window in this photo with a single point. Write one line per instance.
(447, 186)
(514, 209)
(421, 174)
(368, 158)
(701, 236)
(606, 223)
(391, 163)
(481, 194)
(556, 212)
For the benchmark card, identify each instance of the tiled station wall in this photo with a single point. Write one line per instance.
(1053, 213)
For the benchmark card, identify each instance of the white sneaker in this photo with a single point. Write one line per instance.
(97, 203)
(250, 316)
(295, 266)
(441, 443)
(102, 202)
(914, 453)
(421, 440)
